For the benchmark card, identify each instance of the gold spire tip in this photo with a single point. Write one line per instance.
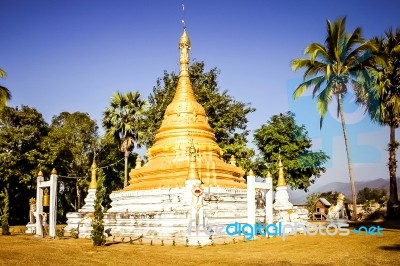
(94, 166)
(54, 171)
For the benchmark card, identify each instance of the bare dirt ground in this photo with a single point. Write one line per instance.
(21, 249)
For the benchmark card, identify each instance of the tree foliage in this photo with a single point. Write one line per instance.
(97, 233)
(5, 94)
(329, 69)
(108, 157)
(70, 145)
(124, 121)
(5, 228)
(21, 131)
(378, 195)
(281, 138)
(380, 94)
(310, 202)
(227, 116)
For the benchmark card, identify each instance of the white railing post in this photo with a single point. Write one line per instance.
(53, 206)
(251, 194)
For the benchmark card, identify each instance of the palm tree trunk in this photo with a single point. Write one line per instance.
(126, 169)
(346, 143)
(393, 203)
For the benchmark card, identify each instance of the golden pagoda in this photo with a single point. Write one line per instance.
(185, 146)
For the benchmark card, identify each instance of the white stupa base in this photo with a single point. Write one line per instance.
(78, 221)
(282, 199)
(291, 218)
(170, 214)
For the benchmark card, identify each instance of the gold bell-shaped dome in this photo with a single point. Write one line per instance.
(185, 146)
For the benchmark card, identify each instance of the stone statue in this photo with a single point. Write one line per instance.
(32, 210)
(336, 212)
(260, 201)
(197, 202)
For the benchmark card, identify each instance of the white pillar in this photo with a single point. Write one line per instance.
(268, 201)
(53, 206)
(39, 205)
(251, 204)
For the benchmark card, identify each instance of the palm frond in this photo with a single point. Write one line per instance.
(306, 84)
(3, 74)
(314, 50)
(323, 100)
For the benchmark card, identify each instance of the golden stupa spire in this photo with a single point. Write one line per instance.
(184, 47)
(281, 178)
(185, 124)
(93, 181)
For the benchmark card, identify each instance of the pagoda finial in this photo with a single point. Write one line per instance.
(138, 162)
(93, 181)
(281, 178)
(184, 47)
(183, 16)
(269, 174)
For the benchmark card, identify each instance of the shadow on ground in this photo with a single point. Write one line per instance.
(392, 225)
(395, 247)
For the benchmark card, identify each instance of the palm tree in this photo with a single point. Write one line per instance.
(329, 69)
(5, 94)
(123, 121)
(380, 94)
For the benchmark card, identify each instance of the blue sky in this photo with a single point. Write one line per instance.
(72, 55)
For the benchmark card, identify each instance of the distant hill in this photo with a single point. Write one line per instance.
(299, 197)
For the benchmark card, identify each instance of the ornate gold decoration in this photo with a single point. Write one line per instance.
(32, 201)
(281, 178)
(184, 146)
(40, 173)
(250, 173)
(54, 171)
(46, 197)
(233, 160)
(93, 180)
(138, 162)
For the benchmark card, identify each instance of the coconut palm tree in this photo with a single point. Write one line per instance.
(5, 94)
(330, 68)
(380, 94)
(123, 121)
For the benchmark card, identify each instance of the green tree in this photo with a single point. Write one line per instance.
(378, 195)
(380, 94)
(227, 116)
(70, 145)
(5, 229)
(329, 69)
(21, 132)
(310, 202)
(108, 157)
(5, 94)
(124, 121)
(282, 139)
(97, 233)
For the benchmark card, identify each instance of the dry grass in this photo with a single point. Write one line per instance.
(20, 249)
